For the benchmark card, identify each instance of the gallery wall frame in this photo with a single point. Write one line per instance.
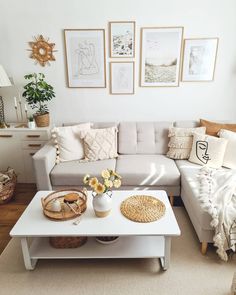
(122, 38)
(160, 56)
(199, 59)
(85, 58)
(122, 77)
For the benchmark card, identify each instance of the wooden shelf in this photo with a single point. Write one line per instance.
(125, 247)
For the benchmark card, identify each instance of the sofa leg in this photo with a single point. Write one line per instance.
(172, 198)
(204, 248)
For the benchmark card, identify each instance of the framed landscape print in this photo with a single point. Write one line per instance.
(122, 77)
(85, 56)
(160, 56)
(199, 59)
(122, 39)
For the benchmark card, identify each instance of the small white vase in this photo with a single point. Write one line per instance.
(102, 204)
(31, 125)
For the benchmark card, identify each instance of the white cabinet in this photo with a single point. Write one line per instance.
(17, 146)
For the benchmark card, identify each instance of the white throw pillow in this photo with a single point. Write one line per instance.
(230, 153)
(100, 144)
(208, 150)
(68, 143)
(181, 140)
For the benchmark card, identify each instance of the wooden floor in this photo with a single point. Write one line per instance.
(9, 213)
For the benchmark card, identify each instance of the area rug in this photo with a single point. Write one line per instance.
(189, 273)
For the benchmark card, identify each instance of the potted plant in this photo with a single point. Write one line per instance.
(31, 122)
(37, 93)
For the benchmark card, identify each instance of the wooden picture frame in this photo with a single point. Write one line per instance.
(160, 56)
(122, 39)
(199, 59)
(122, 77)
(85, 58)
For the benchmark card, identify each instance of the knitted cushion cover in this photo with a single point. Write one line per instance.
(100, 144)
(181, 140)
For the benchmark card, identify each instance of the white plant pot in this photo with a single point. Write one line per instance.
(102, 204)
(31, 125)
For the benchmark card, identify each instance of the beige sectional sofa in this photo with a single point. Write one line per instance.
(143, 164)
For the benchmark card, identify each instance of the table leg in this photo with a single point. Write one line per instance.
(165, 261)
(29, 263)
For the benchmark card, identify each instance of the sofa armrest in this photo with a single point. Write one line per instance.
(44, 160)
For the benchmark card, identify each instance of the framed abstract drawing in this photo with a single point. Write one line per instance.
(85, 57)
(160, 56)
(122, 39)
(199, 59)
(121, 77)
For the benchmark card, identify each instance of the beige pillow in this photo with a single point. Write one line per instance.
(68, 143)
(208, 150)
(181, 140)
(212, 128)
(100, 144)
(230, 153)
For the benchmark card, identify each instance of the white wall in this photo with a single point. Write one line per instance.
(21, 20)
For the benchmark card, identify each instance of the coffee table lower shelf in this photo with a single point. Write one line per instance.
(125, 247)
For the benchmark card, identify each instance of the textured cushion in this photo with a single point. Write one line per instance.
(208, 150)
(230, 152)
(100, 144)
(181, 140)
(144, 170)
(68, 143)
(72, 173)
(212, 128)
(143, 137)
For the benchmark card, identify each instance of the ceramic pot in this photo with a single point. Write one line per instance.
(31, 125)
(102, 203)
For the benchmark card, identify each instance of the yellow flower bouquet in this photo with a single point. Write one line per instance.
(110, 179)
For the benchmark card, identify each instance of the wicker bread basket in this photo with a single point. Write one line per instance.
(67, 242)
(75, 209)
(7, 190)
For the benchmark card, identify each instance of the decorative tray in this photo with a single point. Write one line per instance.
(57, 207)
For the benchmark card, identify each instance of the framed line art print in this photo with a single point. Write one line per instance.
(122, 39)
(85, 57)
(199, 59)
(160, 56)
(121, 77)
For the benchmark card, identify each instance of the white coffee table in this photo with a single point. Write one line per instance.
(137, 240)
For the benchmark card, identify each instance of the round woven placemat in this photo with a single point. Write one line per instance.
(142, 208)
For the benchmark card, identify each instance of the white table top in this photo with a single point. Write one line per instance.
(33, 223)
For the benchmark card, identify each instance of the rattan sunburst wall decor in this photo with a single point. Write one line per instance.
(42, 50)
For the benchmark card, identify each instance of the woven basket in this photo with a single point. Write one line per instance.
(67, 242)
(7, 190)
(42, 120)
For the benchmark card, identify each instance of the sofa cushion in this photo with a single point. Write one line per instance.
(181, 140)
(143, 137)
(208, 150)
(99, 144)
(145, 170)
(190, 185)
(230, 155)
(212, 128)
(72, 173)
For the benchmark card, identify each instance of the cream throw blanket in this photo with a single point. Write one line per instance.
(218, 198)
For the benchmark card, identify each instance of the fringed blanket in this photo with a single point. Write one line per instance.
(218, 198)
